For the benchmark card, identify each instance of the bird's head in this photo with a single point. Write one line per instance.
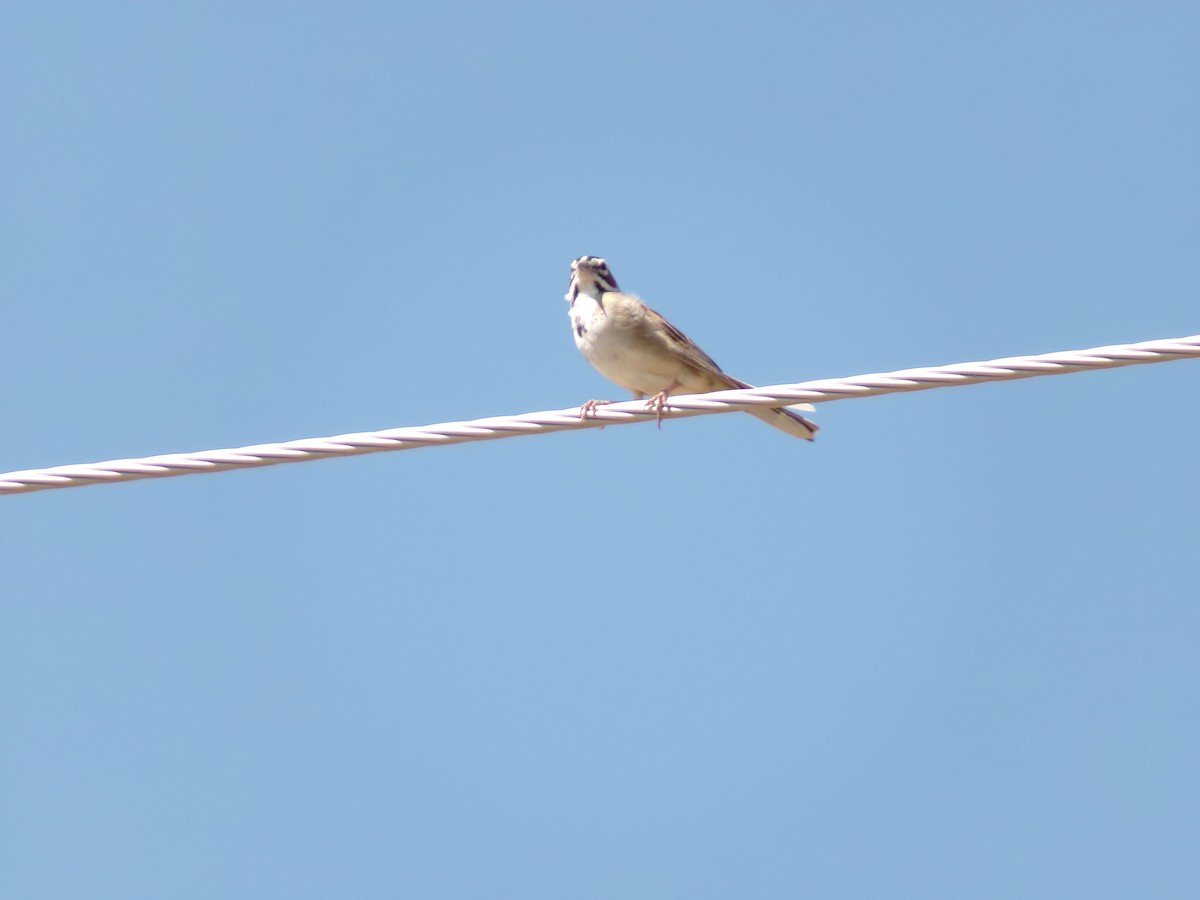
(590, 275)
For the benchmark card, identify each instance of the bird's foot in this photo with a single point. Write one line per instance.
(589, 409)
(658, 403)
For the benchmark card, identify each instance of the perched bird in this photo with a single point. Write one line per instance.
(633, 346)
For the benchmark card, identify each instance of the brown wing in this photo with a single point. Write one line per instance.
(685, 348)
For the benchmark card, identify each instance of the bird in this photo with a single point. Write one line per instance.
(638, 349)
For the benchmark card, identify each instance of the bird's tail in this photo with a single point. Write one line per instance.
(784, 418)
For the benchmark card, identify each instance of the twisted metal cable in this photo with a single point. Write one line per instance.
(821, 391)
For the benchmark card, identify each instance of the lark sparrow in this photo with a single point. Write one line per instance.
(635, 347)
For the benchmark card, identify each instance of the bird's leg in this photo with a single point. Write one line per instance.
(659, 401)
(589, 408)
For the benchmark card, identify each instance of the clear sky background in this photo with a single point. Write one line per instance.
(947, 651)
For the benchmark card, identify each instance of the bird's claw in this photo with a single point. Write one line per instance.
(589, 409)
(658, 403)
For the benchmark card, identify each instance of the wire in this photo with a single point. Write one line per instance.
(822, 391)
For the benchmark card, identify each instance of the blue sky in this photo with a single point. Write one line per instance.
(948, 650)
